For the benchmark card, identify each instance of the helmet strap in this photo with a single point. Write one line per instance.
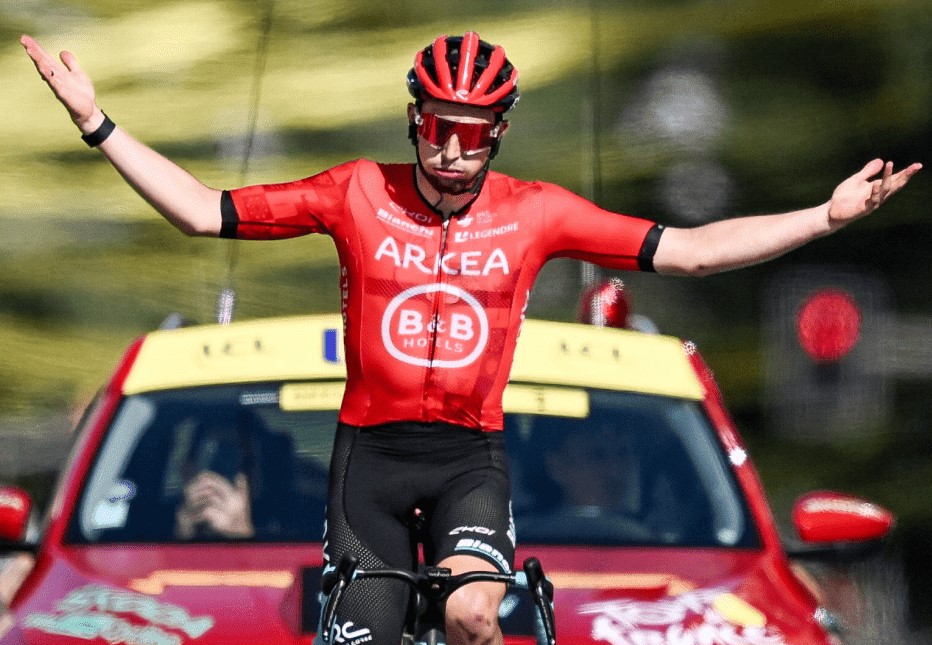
(499, 118)
(412, 127)
(480, 177)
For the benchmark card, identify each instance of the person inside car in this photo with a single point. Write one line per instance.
(589, 489)
(215, 506)
(216, 496)
(437, 260)
(237, 481)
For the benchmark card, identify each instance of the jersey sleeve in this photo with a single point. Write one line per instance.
(279, 211)
(576, 228)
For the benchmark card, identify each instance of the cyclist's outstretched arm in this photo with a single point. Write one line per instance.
(183, 200)
(743, 241)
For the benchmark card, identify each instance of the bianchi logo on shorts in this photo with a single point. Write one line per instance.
(459, 336)
(478, 546)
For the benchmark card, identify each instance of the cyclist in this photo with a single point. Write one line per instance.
(437, 259)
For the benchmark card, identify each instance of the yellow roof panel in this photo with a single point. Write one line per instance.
(310, 348)
(270, 349)
(602, 357)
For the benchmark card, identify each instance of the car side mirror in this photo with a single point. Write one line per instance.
(15, 507)
(835, 526)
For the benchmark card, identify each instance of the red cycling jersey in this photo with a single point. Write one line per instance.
(432, 309)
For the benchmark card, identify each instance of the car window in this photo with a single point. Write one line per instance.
(624, 469)
(245, 435)
(597, 467)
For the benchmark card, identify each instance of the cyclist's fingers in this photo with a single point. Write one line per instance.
(71, 62)
(43, 61)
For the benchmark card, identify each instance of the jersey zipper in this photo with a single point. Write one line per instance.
(435, 313)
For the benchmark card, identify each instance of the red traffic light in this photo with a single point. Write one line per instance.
(828, 325)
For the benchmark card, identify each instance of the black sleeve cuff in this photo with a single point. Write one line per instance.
(100, 135)
(229, 218)
(649, 247)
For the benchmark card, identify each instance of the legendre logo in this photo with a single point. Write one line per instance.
(466, 236)
(459, 335)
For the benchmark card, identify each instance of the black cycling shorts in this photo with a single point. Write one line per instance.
(455, 476)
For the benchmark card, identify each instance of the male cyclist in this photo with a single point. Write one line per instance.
(437, 260)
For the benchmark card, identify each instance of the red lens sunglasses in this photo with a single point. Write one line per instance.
(473, 137)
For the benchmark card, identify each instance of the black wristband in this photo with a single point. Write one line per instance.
(99, 135)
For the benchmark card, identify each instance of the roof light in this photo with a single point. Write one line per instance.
(605, 304)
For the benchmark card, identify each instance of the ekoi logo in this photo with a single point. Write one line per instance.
(458, 337)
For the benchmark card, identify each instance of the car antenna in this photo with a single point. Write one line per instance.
(226, 299)
(589, 273)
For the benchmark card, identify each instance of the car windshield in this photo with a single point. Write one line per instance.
(272, 441)
(617, 468)
(609, 468)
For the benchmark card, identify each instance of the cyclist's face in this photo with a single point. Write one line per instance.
(445, 155)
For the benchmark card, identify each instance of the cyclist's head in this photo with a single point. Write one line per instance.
(464, 73)
(464, 70)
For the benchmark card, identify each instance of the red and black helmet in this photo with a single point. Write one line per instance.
(464, 70)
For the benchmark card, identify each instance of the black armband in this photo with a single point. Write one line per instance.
(649, 247)
(229, 218)
(99, 135)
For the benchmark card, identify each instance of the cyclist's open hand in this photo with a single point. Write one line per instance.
(864, 192)
(69, 83)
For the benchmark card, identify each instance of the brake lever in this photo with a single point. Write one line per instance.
(542, 591)
(344, 574)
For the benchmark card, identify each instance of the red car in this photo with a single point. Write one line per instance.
(630, 484)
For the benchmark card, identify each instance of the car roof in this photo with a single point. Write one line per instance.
(309, 348)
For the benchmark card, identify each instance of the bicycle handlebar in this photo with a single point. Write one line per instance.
(437, 583)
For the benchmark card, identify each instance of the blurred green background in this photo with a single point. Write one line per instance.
(680, 111)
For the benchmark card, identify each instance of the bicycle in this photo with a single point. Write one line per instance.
(424, 623)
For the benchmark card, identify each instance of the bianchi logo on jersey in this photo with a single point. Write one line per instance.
(457, 338)
(414, 228)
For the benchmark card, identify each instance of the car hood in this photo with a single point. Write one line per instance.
(167, 595)
(630, 596)
(227, 594)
